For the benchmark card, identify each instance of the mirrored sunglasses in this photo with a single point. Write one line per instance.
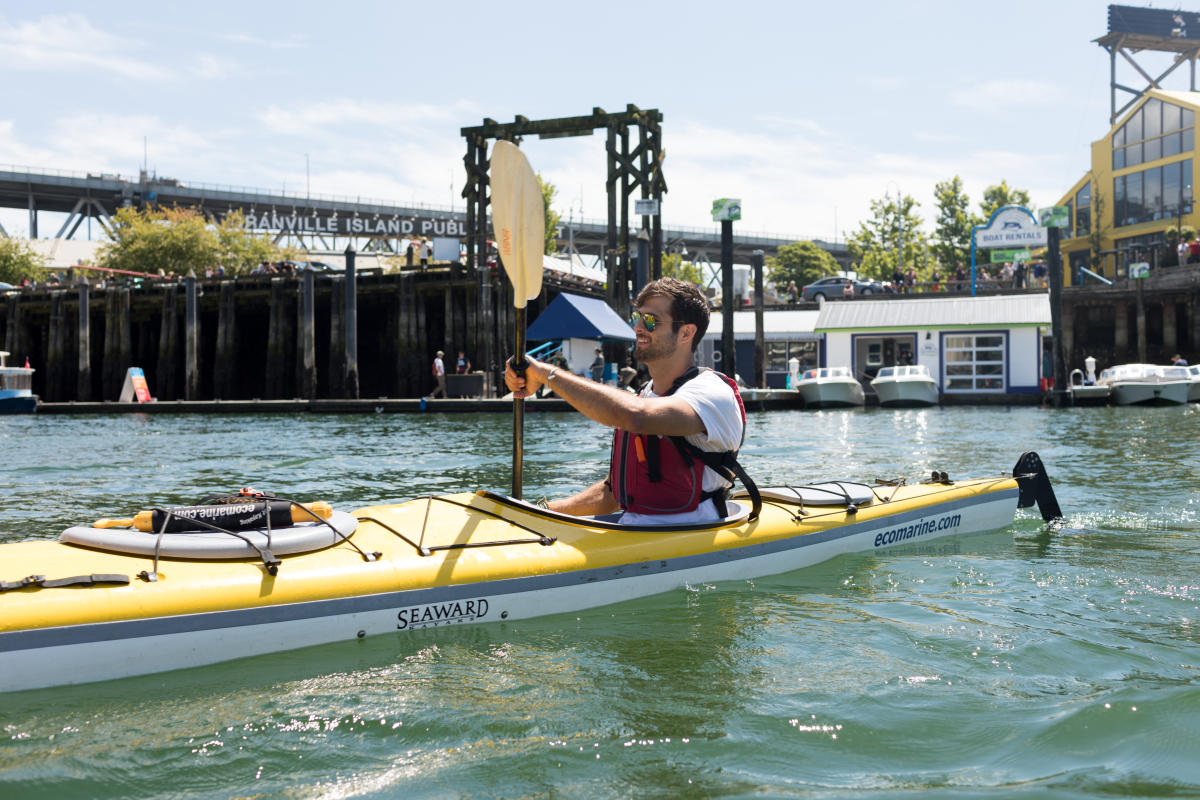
(648, 320)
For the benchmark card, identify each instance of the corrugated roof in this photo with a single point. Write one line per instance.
(941, 312)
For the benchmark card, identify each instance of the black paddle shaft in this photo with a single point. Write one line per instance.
(519, 364)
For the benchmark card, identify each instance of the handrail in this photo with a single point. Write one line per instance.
(1100, 278)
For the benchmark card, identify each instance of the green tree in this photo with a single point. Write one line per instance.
(951, 243)
(1001, 195)
(150, 239)
(673, 266)
(18, 262)
(893, 234)
(552, 217)
(181, 240)
(802, 262)
(241, 250)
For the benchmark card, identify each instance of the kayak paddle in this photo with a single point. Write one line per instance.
(519, 228)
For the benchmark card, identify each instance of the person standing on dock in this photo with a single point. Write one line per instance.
(598, 365)
(675, 443)
(439, 374)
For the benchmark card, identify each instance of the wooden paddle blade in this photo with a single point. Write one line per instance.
(518, 220)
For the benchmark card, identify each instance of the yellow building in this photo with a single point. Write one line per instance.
(1138, 193)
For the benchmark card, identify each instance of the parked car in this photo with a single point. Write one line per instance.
(835, 286)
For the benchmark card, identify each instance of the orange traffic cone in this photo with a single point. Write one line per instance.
(26, 362)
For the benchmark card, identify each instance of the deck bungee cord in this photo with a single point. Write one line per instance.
(422, 550)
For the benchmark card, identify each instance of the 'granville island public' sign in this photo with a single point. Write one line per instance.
(356, 226)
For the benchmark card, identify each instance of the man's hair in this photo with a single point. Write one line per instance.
(688, 305)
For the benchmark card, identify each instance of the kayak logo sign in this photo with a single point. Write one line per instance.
(433, 614)
(920, 528)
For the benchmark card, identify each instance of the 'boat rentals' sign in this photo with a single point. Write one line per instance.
(1010, 227)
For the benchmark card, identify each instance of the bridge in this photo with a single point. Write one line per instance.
(326, 222)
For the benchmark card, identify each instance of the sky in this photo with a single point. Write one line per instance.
(806, 112)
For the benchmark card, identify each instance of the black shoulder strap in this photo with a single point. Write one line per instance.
(726, 465)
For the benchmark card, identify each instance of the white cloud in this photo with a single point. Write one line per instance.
(67, 43)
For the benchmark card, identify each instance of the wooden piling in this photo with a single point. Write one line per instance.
(1169, 333)
(307, 341)
(449, 340)
(225, 362)
(1120, 331)
(489, 331)
(15, 339)
(191, 341)
(278, 337)
(1141, 322)
(351, 388)
(107, 390)
(336, 373)
(407, 367)
(167, 371)
(1194, 324)
(83, 384)
(56, 379)
(112, 366)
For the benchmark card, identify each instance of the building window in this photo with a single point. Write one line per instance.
(1083, 210)
(1155, 193)
(1156, 130)
(1139, 248)
(778, 353)
(974, 362)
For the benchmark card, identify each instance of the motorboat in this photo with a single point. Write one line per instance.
(1194, 374)
(228, 578)
(1147, 384)
(905, 386)
(830, 387)
(16, 388)
(1084, 389)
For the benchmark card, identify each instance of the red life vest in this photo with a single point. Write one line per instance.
(652, 474)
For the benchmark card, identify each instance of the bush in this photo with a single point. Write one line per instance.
(18, 262)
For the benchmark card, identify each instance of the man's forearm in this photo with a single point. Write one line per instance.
(604, 404)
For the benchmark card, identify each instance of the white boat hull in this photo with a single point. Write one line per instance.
(1134, 393)
(905, 392)
(832, 394)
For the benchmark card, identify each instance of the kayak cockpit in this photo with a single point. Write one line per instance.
(738, 514)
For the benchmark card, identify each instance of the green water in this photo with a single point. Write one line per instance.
(1029, 662)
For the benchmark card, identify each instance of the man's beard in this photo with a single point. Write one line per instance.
(655, 349)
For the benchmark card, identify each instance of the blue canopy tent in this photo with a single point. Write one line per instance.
(579, 322)
(570, 316)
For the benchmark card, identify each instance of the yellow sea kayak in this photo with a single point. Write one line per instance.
(78, 610)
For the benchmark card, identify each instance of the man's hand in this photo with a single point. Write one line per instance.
(527, 383)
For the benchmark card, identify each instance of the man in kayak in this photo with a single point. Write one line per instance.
(669, 437)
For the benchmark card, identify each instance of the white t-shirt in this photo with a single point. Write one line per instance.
(713, 401)
(439, 368)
